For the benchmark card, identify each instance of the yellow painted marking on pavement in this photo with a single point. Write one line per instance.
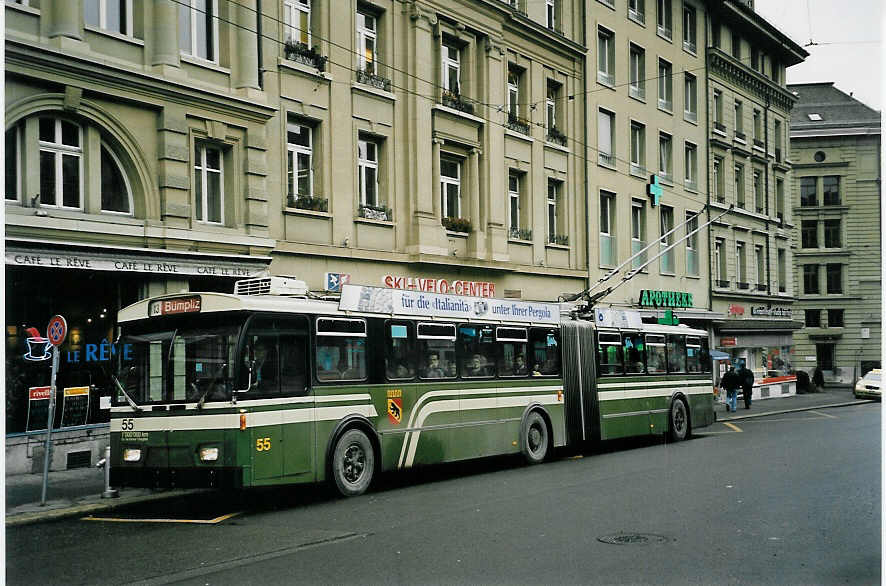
(192, 521)
(825, 414)
(731, 426)
(576, 457)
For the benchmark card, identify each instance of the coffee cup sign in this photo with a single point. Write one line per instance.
(38, 349)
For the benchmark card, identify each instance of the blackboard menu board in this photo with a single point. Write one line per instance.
(75, 406)
(38, 408)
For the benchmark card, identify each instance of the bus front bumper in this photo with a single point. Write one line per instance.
(144, 477)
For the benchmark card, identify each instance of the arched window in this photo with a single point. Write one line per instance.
(61, 163)
(116, 196)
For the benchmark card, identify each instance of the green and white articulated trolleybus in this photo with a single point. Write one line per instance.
(272, 386)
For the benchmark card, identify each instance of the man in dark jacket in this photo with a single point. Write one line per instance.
(730, 382)
(747, 384)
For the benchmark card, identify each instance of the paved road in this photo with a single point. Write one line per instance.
(786, 499)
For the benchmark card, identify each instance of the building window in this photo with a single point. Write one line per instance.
(297, 21)
(690, 98)
(367, 172)
(665, 86)
(758, 128)
(741, 267)
(116, 195)
(367, 42)
(755, 58)
(664, 19)
(776, 138)
(835, 318)
(607, 234)
(776, 77)
(61, 163)
(718, 111)
(514, 206)
(808, 192)
(513, 93)
(812, 318)
(759, 200)
(779, 199)
(824, 356)
(605, 56)
(551, 14)
(637, 10)
(720, 264)
(551, 107)
(554, 206)
(300, 156)
(739, 186)
(198, 28)
(638, 149)
(719, 180)
(208, 181)
(760, 260)
(832, 236)
(835, 278)
(606, 138)
(637, 87)
(109, 15)
(638, 233)
(13, 158)
(831, 185)
(736, 45)
(451, 69)
(782, 271)
(689, 35)
(810, 280)
(690, 166)
(739, 120)
(666, 224)
(691, 244)
(715, 34)
(809, 233)
(665, 156)
(450, 187)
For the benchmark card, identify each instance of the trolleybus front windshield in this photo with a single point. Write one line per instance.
(184, 360)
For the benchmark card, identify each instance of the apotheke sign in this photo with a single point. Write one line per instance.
(649, 298)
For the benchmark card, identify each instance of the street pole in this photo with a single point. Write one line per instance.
(47, 451)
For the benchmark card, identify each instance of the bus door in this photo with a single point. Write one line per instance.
(278, 400)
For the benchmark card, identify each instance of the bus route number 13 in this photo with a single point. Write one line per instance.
(262, 444)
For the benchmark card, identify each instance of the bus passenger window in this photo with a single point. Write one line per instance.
(341, 349)
(436, 350)
(693, 354)
(609, 356)
(276, 349)
(676, 353)
(656, 361)
(704, 356)
(398, 357)
(544, 352)
(633, 351)
(513, 345)
(477, 350)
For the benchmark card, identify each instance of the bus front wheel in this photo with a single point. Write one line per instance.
(679, 421)
(535, 438)
(353, 463)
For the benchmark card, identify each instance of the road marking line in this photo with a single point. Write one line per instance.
(825, 414)
(731, 426)
(191, 521)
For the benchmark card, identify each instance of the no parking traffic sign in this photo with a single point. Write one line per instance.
(57, 330)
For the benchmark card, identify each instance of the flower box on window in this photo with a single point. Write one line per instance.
(520, 233)
(307, 202)
(457, 225)
(301, 53)
(561, 239)
(374, 80)
(555, 136)
(517, 124)
(455, 101)
(371, 212)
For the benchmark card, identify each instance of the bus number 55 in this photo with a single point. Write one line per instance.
(262, 444)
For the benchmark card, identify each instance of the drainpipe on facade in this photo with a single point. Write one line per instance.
(766, 192)
(584, 74)
(258, 38)
(707, 88)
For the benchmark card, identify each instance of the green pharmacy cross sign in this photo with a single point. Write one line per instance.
(654, 190)
(669, 319)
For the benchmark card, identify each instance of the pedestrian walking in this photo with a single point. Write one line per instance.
(730, 382)
(747, 384)
(818, 379)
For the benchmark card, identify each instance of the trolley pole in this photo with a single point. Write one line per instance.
(47, 451)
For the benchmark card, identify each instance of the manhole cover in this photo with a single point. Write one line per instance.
(632, 539)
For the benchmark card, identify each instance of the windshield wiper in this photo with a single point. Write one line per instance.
(129, 400)
(211, 385)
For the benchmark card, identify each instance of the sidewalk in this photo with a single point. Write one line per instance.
(78, 492)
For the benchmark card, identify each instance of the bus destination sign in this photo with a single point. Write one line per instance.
(172, 306)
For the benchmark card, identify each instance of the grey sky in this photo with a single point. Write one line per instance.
(852, 65)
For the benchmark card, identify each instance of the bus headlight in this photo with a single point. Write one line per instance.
(132, 454)
(208, 454)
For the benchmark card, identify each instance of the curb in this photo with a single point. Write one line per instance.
(795, 410)
(80, 509)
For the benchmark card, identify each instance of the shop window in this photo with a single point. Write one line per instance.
(198, 28)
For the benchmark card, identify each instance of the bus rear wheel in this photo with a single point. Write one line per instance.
(679, 421)
(535, 438)
(353, 463)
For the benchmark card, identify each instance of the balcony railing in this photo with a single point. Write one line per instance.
(663, 31)
(637, 16)
(301, 53)
(742, 285)
(554, 135)
(606, 159)
(520, 233)
(762, 287)
(689, 46)
(517, 124)
(637, 91)
(561, 239)
(721, 284)
(605, 78)
(665, 104)
(457, 102)
(719, 126)
(371, 78)
(638, 170)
